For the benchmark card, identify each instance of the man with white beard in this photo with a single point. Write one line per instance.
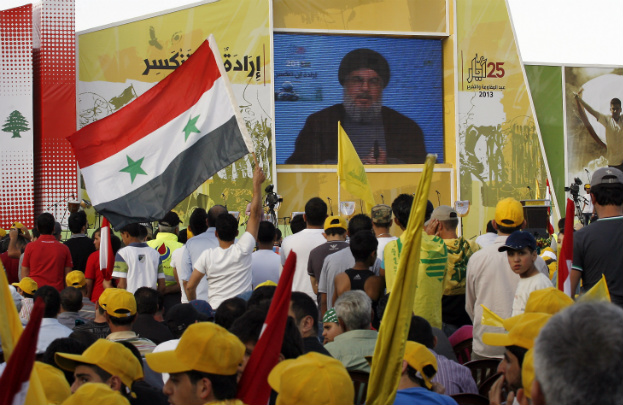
(379, 134)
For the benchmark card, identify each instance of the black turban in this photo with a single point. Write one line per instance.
(363, 58)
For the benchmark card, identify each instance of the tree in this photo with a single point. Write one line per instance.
(15, 123)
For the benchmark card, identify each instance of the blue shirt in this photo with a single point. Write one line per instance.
(421, 396)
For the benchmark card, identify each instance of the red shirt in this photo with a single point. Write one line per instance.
(47, 259)
(93, 272)
(11, 266)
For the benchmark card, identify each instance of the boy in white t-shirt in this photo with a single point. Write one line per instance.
(228, 266)
(520, 248)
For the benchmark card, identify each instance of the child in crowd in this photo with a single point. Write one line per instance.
(27, 288)
(331, 326)
(520, 248)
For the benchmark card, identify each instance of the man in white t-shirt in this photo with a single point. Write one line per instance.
(303, 242)
(228, 266)
(266, 264)
(614, 130)
(381, 215)
(137, 265)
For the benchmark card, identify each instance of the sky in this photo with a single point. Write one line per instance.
(548, 31)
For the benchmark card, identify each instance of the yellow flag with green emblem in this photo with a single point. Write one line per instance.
(350, 170)
(390, 345)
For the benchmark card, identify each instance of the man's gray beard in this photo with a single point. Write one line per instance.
(362, 115)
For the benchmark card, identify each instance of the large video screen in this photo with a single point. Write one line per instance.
(386, 92)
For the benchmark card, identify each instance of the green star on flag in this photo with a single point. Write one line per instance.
(134, 167)
(191, 126)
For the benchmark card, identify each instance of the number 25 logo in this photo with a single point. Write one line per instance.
(495, 67)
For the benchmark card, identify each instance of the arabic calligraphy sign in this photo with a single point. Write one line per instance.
(118, 64)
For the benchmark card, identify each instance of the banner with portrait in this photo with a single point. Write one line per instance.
(593, 118)
(499, 146)
(118, 64)
(386, 92)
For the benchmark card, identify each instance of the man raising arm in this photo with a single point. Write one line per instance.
(238, 276)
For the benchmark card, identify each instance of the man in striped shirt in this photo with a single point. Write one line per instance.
(120, 314)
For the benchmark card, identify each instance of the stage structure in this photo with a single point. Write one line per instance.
(442, 77)
(16, 117)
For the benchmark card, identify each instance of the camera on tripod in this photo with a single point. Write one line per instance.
(272, 199)
(574, 188)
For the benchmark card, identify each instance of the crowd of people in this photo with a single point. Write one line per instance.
(178, 317)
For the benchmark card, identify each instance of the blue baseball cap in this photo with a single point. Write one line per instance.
(519, 240)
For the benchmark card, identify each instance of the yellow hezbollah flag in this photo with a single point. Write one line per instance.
(599, 292)
(390, 345)
(350, 170)
(10, 331)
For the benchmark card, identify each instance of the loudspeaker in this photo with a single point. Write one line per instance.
(536, 216)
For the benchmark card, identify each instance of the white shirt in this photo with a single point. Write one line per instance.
(176, 263)
(614, 138)
(302, 243)
(486, 239)
(380, 250)
(144, 266)
(265, 265)
(50, 330)
(228, 271)
(525, 287)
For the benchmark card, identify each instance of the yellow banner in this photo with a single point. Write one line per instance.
(118, 64)
(425, 16)
(500, 152)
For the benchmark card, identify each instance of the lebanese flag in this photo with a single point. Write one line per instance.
(15, 378)
(566, 254)
(141, 161)
(253, 388)
(548, 196)
(107, 259)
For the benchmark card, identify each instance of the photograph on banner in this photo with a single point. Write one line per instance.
(118, 64)
(594, 122)
(386, 92)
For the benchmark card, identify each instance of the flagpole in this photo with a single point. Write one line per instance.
(338, 195)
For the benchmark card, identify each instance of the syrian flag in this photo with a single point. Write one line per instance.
(548, 196)
(107, 259)
(253, 388)
(566, 254)
(141, 161)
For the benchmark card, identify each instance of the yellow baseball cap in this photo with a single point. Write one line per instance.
(548, 300)
(522, 331)
(96, 393)
(112, 357)
(204, 347)
(509, 213)
(335, 221)
(2, 233)
(120, 304)
(312, 379)
(419, 356)
(27, 284)
(75, 279)
(55, 385)
(527, 372)
(103, 299)
(267, 283)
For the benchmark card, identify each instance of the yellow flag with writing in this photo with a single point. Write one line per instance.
(350, 170)
(390, 345)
